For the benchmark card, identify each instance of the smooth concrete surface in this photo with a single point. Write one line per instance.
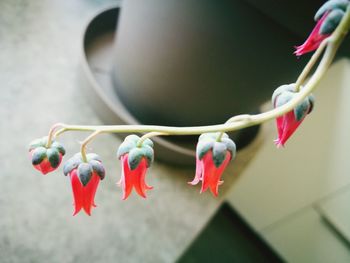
(39, 56)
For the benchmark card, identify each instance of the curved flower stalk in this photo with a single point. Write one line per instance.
(291, 104)
(328, 18)
(136, 156)
(85, 178)
(212, 157)
(289, 122)
(46, 159)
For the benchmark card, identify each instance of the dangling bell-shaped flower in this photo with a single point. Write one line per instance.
(289, 122)
(85, 178)
(135, 161)
(328, 18)
(212, 157)
(46, 159)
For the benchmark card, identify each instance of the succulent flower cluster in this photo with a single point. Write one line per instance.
(291, 103)
(214, 152)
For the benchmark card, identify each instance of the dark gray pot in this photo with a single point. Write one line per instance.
(193, 62)
(198, 62)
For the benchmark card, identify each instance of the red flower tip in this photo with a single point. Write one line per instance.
(85, 178)
(214, 152)
(133, 178)
(286, 126)
(46, 159)
(314, 40)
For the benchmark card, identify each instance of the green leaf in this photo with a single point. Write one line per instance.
(71, 164)
(203, 146)
(331, 5)
(132, 138)
(147, 142)
(219, 153)
(148, 153)
(134, 158)
(231, 146)
(36, 143)
(283, 98)
(84, 173)
(59, 147)
(332, 21)
(93, 156)
(38, 155)
(98, 168)
(302, 109)
(53, 157)
(125, 147)
(282, 89)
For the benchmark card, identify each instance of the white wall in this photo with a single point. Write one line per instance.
(279, 192)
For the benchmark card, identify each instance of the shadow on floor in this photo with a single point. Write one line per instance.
(227, 238)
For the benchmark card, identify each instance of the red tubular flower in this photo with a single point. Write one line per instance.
(85, 178)
(209, 174)
(46, 159)
(314, 40)
(289, 122)
(135, 161)
(83, 195)
(328, 18)
(133, 178)
(212, 158)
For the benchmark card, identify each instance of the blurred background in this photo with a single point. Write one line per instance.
(276, 205)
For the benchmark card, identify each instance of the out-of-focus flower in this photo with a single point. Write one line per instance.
(212, 157)
(46, 159)
(135, 160)
(289, 122)
(328, 18)
(85, 178)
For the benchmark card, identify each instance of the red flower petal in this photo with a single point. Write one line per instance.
(84, 195)
(78, 192)
(209, 174)
(286, 126)
(133, 178)
(89, 193)
(199, 172)
(314, 40)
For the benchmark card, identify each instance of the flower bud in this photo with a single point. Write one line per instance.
(46, 159)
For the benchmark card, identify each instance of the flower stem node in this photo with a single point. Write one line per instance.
(46, 159)
(136, 156)
(289, 122)
(212, 157)
(85, 178)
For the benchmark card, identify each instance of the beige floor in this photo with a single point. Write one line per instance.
(39, 56)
